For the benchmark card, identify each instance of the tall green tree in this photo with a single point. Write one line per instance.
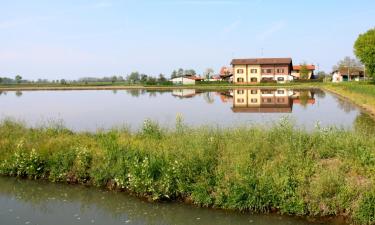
(304, 72)
(18, 79)
(364, 49)
(1, 80)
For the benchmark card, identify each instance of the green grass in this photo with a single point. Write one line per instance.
(361, 93)
(325, 172)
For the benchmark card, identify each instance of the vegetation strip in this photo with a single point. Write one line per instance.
(325, 172)
(361, 94)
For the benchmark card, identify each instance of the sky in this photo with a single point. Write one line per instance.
(70, 39)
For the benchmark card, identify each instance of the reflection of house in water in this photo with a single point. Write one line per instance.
(184, 93)
(266, 100)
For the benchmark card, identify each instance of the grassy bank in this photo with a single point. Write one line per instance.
(321, 173)
(360, 93)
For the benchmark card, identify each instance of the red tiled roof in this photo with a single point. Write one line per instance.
(309, 67)
(261, 61)
(194, 78)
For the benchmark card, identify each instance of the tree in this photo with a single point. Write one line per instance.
(18, 79)
(322, 74)
(174, 74)
(63, 81)
(180, 72)
(304, 72)
(348, 63)
(133, 77)
(144, 78)
(113, 79)
(190, 72)
(162, 78)
(1, 80)
(364, 49)
(208, 73)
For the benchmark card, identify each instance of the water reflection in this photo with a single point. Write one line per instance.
(80, 109)
(270, 100)
(33, 202)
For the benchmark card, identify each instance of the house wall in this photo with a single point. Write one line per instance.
(256, 75)
(237, 75)
(280, 73)
(183, 81)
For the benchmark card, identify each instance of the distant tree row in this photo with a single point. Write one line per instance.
(181, 72)
(133, 78)
(6, 80)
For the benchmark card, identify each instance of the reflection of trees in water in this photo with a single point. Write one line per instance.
(114, 92)
(18, 93)
(135, 92)
(345, 105)
(152, 93)
(364, 123)
(208, 97)
(3, 93)
(304, 97)
(319, 93)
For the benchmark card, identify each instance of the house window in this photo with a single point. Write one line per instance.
(280, 100)
(240, 79)
(280, 70)
(269, 70)
(240, 71)
(267, 100)
(240, 100)
(253, 71)
(253, 79)
(263, 71)
(254, 92)
(280, 92)
(254, 100)
(240, 92)
(280, 78)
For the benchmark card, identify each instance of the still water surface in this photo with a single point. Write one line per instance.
(90, 110)
(38, 202)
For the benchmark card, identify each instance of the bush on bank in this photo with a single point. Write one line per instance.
(319, 173)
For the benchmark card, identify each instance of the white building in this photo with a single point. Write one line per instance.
(185, 80)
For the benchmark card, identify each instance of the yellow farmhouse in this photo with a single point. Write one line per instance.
(246, 71)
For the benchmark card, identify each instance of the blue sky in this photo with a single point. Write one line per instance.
(77, 38)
